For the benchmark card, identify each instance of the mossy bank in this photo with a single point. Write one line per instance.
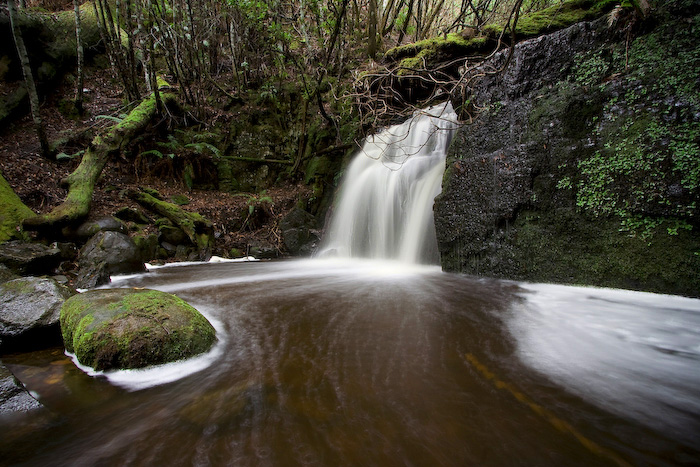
(132, 328)
(584, 166)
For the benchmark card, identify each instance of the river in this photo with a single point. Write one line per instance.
(347, 362)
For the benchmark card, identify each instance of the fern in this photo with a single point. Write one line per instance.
(200, 147)
(172, 145)
(157, 153)
(204, 136)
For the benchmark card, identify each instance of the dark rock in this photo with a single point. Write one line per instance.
(29, 312)
(128, 214)
(298, 232)
(13, 396)
(88, 229)
(30, 258)
(262, 250)
(512, 204)
(147, 246)
(105, 254)
(69, 252)
(169, 247)
(131, 328)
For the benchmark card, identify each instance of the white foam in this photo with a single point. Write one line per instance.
(633, 353)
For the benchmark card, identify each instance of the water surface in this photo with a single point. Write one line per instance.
(363, 363)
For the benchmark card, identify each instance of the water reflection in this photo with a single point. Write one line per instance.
(350, 363)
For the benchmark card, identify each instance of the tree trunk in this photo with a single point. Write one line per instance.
(81, 183)
(28, 80)
(404, 26)
(80, 58)
(372, 29)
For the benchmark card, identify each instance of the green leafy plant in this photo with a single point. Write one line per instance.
(157, 153)
(201, 148)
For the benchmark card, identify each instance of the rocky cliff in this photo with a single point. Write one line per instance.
(583, 165)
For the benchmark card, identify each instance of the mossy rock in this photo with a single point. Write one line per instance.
(12, 213)
(423, 54)
(132, 328)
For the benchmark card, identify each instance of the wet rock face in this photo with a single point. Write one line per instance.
(565, 175)
(29, 312)
(132, 328)
(298, 232)
(105, 254)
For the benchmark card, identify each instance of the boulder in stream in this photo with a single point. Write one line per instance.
(107, 253)
(133, 328)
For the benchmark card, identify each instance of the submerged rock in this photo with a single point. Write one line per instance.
(133, 328)
(29, 312)
(13, 396)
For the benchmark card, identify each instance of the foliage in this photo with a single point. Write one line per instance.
(646, 171)
(261, 202)
(201, 148)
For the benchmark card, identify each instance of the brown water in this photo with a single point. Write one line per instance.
(361, 364)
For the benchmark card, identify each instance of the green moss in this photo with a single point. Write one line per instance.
(18, 287)
(180, 200)
(128, 328)
(196, 227)
(12, 212)
(576, 250)
(561, 16)
(646, 169)
(415, 56)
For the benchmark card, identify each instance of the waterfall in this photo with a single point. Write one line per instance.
(385, 206)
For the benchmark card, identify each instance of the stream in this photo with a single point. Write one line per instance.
(349, 362)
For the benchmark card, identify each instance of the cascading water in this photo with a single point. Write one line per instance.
(385, 205)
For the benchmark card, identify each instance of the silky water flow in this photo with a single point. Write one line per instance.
(382, 361)
(385, 207)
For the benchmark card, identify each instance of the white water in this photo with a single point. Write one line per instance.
(385, 205)
(632, 353)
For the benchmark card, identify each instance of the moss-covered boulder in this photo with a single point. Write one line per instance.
(132, 328)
